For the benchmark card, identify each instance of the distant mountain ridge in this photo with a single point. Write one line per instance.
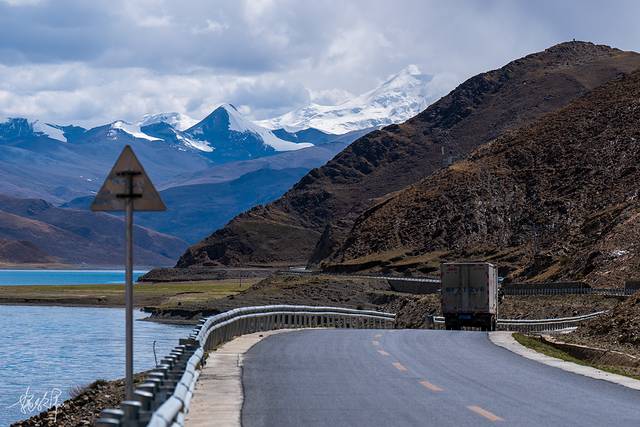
(225, 130)
(43, 233)
(196, 209)
(59, 163)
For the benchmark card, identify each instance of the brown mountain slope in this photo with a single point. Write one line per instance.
(76, 237)
(313, 217)
(22, 252)
(556, 200)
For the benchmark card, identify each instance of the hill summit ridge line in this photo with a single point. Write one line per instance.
(312, 219)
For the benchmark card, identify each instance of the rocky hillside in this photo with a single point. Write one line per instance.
(555, 200)
(311, 220)
(618, 329)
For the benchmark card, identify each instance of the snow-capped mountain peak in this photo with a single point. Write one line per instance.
(177, 121)
(227, 124)
(237, 123)
(400, 97)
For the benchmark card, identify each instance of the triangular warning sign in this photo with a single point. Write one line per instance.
(127, 180)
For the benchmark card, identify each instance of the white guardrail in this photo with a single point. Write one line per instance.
(303, 272)
(162, 400)
(523, 289)
(536, 325)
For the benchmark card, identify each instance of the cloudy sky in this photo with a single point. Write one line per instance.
(91, 62)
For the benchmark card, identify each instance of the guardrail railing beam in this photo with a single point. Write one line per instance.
(532, 325)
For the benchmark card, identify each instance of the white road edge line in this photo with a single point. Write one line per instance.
(505, 340)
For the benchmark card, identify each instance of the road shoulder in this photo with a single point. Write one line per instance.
(218, 394)
(506, 340)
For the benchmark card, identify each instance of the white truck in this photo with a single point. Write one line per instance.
(469, 295)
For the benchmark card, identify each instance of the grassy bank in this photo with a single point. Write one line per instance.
(535, 344)
(174, 294)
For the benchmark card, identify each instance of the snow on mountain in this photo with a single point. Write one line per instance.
(399, 98)
(239, 124)
(129, 128)
(52, 131)
(177, 121)
(193, 143)
(224, 135)
(226, 125)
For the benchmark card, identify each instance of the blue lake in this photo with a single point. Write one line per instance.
(55, 348)
(64, 277)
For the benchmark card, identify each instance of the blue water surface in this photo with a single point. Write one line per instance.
(64, 277)
(56, 348)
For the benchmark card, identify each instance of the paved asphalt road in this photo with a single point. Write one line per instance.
(418, 378)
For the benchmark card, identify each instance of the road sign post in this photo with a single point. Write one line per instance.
(128, 188)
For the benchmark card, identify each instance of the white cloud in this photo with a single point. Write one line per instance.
(102, 95)
(96, 61)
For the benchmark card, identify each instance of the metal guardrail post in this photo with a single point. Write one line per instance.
(131, 410)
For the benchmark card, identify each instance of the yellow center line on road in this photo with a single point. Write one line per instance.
(399, 366)
(376, 343)
(483, 412)
(384, 353)
(431, 386)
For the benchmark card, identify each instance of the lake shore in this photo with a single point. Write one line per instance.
(150, 297)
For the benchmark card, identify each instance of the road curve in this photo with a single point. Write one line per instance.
(399, 378)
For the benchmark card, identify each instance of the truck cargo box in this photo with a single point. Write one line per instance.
(469, 294)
